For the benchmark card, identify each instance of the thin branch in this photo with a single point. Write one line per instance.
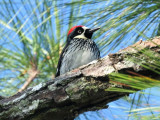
(33, 72)
(32, 75)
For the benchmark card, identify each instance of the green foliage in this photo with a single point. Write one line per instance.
(33, 32)
(145, 58)
(150, 61)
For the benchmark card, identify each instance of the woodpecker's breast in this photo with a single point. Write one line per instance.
(79, 52)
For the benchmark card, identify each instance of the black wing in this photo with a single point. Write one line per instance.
(60, 60)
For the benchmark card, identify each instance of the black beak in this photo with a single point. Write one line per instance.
(93, 30)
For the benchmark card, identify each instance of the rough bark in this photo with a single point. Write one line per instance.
(80, 90)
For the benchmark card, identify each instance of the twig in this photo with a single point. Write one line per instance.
(32, 75)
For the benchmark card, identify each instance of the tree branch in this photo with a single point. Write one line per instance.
(78, 91)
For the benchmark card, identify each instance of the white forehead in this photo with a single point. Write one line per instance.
(84, 27)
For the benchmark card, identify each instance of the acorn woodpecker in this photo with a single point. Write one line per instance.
(79, 49)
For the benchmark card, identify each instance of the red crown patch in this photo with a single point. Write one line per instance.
(74, 28)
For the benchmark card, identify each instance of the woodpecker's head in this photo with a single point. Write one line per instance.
(81, 32)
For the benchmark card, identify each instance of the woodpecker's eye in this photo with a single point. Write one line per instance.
(79, 31)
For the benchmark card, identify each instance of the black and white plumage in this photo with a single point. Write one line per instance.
(79, 50)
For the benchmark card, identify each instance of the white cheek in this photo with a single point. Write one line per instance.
(81, 36)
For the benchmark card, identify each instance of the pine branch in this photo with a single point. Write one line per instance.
(33, 72)
(80, 90)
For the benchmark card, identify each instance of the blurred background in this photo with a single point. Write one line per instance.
(33, 33)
